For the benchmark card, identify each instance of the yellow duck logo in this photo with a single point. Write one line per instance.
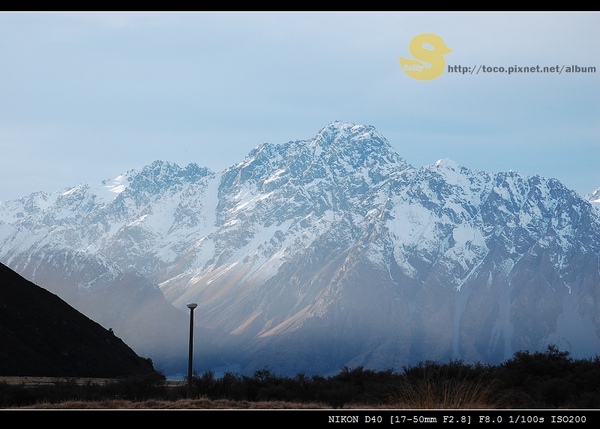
(418, 68)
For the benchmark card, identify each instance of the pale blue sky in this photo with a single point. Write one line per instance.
(86, 96)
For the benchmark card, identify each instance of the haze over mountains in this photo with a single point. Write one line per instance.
(312, 255)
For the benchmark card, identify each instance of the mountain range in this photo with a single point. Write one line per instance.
(312, 255)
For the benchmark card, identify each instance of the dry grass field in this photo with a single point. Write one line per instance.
(42, 381)
(422, 399)
(198, 403)
(181, 404)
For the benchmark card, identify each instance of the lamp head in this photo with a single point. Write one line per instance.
(192, 305)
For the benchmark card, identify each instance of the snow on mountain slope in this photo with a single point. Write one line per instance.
(314, 254)
(594, 198)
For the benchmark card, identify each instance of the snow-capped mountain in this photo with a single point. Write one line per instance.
(594, 198)
(311, 255)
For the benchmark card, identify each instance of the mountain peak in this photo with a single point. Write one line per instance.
(354, 147)
(447, 164)
(340, 133)
(160, 169)
(340, 148)
(159, 175)
(594, 197)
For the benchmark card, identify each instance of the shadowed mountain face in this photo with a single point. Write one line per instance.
(41, 335)
(315, 254)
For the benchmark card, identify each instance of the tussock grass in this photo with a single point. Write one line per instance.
(454, 385)
(448, 394)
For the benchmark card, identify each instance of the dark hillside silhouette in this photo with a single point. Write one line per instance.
(41, 335)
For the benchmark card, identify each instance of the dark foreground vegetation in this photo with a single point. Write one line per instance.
(529, 380)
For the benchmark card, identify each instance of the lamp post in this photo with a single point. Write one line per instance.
(191, 306)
